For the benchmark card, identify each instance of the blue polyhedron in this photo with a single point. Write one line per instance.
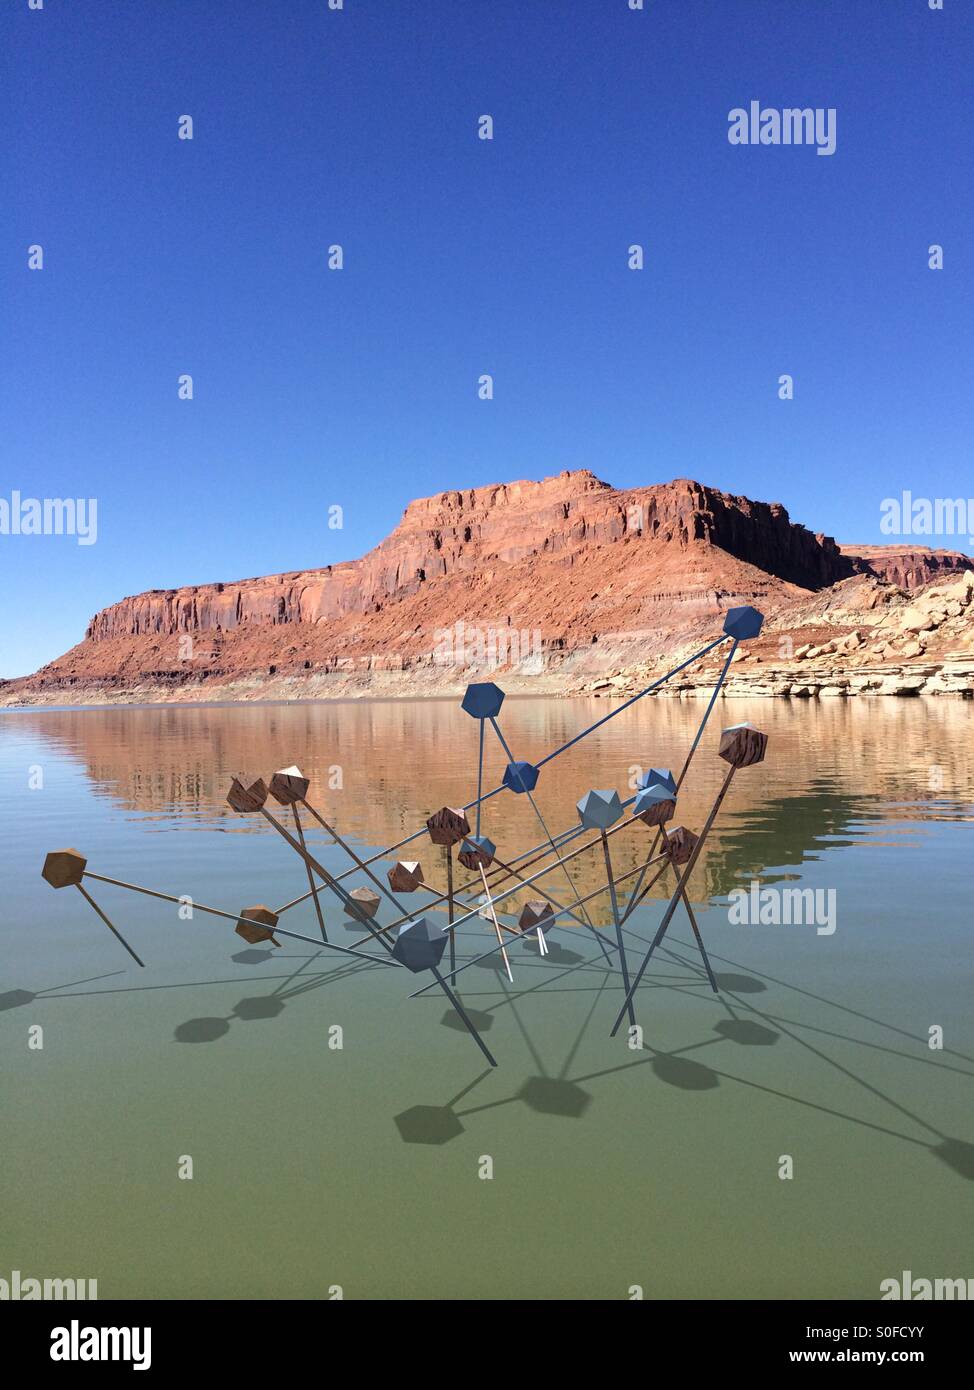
(419, 946)
(477, 852)
(483, 700)
(597, 810)
(648, 797)
(521, 777)
(658, 775)
(742, 623)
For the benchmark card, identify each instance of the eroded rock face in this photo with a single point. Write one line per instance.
(595, 585)
(458, 532)
(908, 566)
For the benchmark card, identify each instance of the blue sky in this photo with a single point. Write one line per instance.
(359, 387)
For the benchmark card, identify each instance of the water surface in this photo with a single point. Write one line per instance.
(358, 1167)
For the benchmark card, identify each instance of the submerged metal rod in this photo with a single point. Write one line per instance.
(497, 929)
(512, 762)
(561, 913)
(447, 850)
(681, 884)
(307, 868)
(463, 1014)
(693, 924)
(235, 917)
(635, 896)
(114, 930)
(618, 922)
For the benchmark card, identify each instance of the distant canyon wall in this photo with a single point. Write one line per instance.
(463, 531)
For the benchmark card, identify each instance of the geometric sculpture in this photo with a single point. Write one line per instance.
(483, 700)
(597, 810)
(405, 876)
(654, 805)
(521, 777)
(289, 786)
(743, 623)
(362, 905)
(253, 934)
(535, 916)
(536, 913)
(448, 826)
(658, 776)
(247, 794)
(680, 844)
(477, 852)
(64, 868)
(742, 744)
(419, 946)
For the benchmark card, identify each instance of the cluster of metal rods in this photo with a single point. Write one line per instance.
(410, 940)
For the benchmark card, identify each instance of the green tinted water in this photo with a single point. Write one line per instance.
(358, 1167)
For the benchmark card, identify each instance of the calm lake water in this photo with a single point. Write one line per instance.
(358, 1167)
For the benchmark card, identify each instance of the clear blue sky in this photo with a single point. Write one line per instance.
(463, 256)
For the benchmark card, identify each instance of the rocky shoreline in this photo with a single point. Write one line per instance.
(919, 644)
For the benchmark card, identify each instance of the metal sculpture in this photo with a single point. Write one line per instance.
(418, 943)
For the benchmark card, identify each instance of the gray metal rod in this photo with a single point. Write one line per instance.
(463, 1014)
(618, 922)
(681, 884)
(693, 925)
(633, 898)
(512, 761)
(400, 844)
(114, 930)
(328, 879)
(383, 888)
(563, 912)
(524, 882)
(307, 868)
(237, 917)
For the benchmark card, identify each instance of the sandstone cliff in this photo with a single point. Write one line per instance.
(909, 566)
(457, 533)
(566, 583)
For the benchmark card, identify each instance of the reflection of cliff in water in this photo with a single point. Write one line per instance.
(833, 770)
(784, 833)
